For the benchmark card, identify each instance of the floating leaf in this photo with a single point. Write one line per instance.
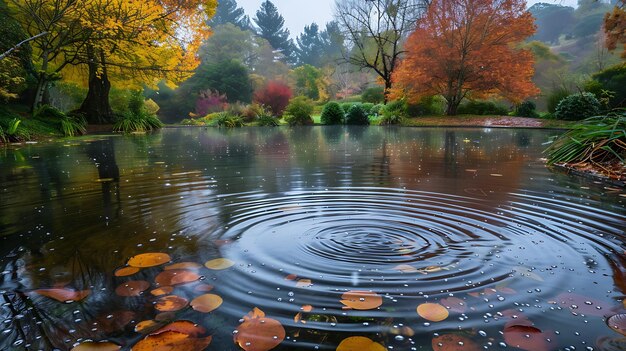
(433, 312)
(617, 323)
(307, 308)
(176, 277)
(204, 288)
(147, 326)
(171, 341)
(149, 260)
(164, 290)
(258, 333)
(97, 346)
(126, 271)
(183, 265)
(219, 264)
(583, 304)
(171, 303)
(132, 288)
(186, 327)
(453, 342)
(291, 277)
(63, 295)
(304, 283)
(405, 268)
(298, 318)
(527, 338)
(206, 303)
(361, 300)
(454, 304)
(359, 343)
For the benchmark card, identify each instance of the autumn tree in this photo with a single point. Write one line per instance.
(376, 29)
(271, 27)
(464, 48)
(615, 27)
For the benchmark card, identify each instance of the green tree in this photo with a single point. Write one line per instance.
(271, 27)
(227, 77)
(15, 66)
(228, 12)
(310, 46)
(307, 80)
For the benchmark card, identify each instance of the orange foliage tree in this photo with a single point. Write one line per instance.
(469, 48)
(615, 27)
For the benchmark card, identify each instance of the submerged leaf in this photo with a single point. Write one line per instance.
(132, 288)
(304, 283)
(454, 304)
(361, 300)
(528, 338)
(171, 341)
(171, 303)
(454, 342)
(176, 277)
(219, 264)
(617, 323)
(206, 303)
(164, 290)
(96, 346)
(359, 343)
(259, 333)
(186, 327)
(151, 259)
(147, 326)
(63, 295)
(433, 312)
(405, 268)
(183, 265)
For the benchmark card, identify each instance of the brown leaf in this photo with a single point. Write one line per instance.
(361, 300)
(206, 303)
(149, 260)
(63, 295)
(96, 346)
(183, 265)
(186, 327)
(164, 290)
(617, 323)
(176, 277)
(528, 338)
(453, 342)
(583, 304)
(171, 341)
(171, 303)
(132, 288)
(259, 333)
(454, 304)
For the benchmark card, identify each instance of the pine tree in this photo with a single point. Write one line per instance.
(270, 25)
(228, 12)
(310, 49)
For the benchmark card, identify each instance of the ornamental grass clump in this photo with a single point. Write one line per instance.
(598, 141)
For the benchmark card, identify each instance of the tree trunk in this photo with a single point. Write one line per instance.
(42, 83)
(453, 106)
(96, 106)
(387, 90)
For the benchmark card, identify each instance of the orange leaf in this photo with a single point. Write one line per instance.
(304, 283)
(164, 290)
(259, 333)
(204, 288)
(359, 343)
(219, 264)
(126, 271)
(453, 342)
(186, 327)
(149, 260)
(171, 341)
(206, 303)
(176, 277)
(307, 308)
(63, 295)
(96, 346)
(361, 300)
(146, 326)
(183, 265)
(171, 303)
(132, 288)
(433, 312)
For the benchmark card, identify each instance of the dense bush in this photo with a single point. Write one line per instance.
(346, 106)
(578, 106)
(477, 107)
(367, 107)
(332, 114)
(137, 119)
(373, 95)
(210, 101)
(68, 125)
(611, 84)
(275, 96)
(227, 120)
(298, 112)
(11, 130)
(376, 110)
(394, 112)
(252, 112)
(267, 120)
(427, 106)
(526, 109)
(555, 97)
(357, 116)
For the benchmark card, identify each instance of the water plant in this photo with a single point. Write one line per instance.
(266, 120)
(137, 119)
(599, 141)
(228, 120)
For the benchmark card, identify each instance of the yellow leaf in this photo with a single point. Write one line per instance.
(359, 343)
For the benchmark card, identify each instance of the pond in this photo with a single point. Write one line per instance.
(416, 239)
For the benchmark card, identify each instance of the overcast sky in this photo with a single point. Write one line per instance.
(298, 13)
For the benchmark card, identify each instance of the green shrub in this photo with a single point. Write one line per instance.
(526, 109)
(48, 112)
(299, 111)
(376, 110)
(357, 116)
(597, 140)
(555, 97)
(347, 105)
(477, 107)
(12, 131)
(613, 80)
(373, 95)
(137, 119)
(427, 106)
(394, 112)
(267, 120)
(332, 114)
(367, 107)
(68, 125)
(578, 106)
(253, 112)
(228, 120)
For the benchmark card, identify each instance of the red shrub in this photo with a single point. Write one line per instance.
(209, 102)
(275, 95)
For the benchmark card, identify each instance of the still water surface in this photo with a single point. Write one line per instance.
(470, 219)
